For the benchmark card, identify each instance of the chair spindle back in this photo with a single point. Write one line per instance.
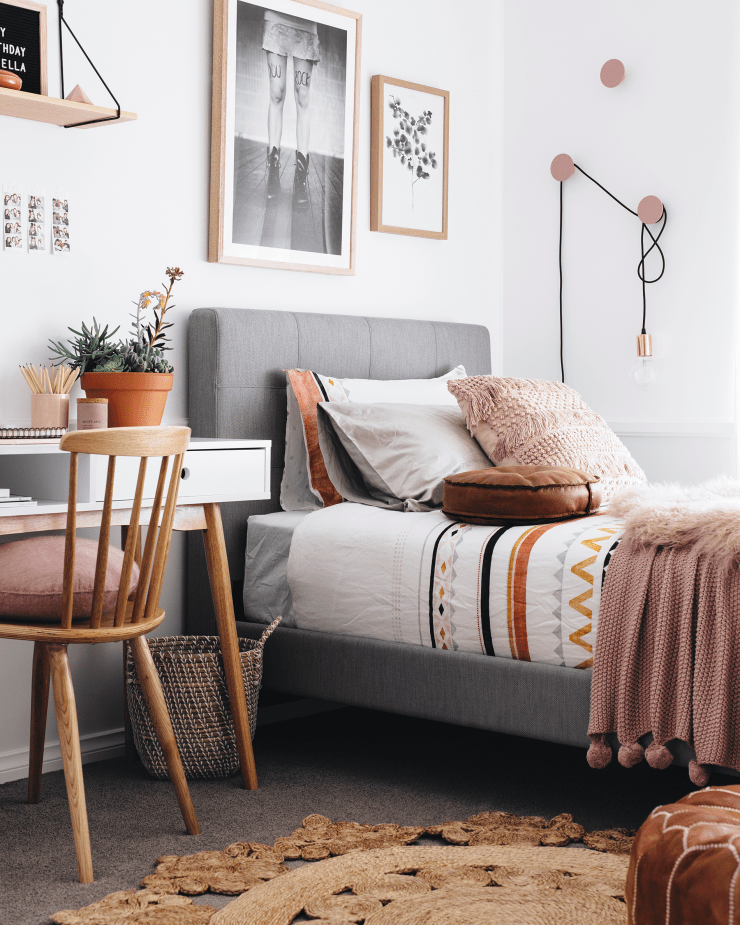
(143, 442)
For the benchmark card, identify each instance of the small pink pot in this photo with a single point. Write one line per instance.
(49, 410)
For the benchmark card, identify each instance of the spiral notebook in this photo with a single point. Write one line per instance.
(32, 433)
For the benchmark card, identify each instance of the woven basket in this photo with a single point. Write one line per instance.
(191, 672)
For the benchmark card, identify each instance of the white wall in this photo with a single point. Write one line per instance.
(139, 201)
(671, 129)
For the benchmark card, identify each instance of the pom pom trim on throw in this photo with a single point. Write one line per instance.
(658, 756)
(599, 754)
(699, 773)
(631, 754)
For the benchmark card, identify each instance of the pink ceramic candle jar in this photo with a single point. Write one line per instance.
(92, 413)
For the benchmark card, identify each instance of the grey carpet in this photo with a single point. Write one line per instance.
(349, 764)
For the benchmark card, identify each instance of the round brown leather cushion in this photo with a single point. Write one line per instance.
(683, 865)
(520, 495)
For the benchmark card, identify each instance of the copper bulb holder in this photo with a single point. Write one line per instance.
(644, 345)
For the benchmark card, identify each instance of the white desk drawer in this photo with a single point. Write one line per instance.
(205, 472)
(224, 472)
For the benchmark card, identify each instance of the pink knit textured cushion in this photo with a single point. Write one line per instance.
(540, 423)
(31, 578)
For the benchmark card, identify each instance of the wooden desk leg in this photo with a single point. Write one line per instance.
(39, 706)
(130, 752)
(218, 572)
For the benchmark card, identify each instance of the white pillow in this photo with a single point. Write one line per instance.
(395, 456)
(298, 490)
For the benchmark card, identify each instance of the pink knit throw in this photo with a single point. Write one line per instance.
(667, 658)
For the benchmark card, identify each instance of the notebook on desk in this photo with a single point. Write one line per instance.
(38, 434)
(8, 501)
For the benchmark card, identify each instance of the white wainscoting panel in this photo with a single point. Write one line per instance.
(97, 746)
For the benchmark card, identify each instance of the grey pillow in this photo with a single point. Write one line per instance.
(395, 456)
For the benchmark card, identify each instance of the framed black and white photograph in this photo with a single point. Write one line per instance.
(409, 158)
(23, 43)
(284, 134)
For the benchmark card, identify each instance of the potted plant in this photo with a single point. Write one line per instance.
(134, 374)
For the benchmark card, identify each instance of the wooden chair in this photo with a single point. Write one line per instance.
(126, 616)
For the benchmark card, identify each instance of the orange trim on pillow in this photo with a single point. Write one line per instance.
(308, 395)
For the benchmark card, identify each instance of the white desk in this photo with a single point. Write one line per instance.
(215, 471)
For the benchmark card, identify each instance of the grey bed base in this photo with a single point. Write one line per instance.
(498, 694)
(237, 390)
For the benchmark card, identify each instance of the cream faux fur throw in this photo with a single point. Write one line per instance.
(705, 517)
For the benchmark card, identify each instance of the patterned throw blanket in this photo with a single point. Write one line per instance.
(667, 657)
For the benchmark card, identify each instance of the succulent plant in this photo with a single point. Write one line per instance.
(93, 351)
(89, 350)
(114, 365)
(143, 358)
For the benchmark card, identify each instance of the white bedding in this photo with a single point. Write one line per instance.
(530, 593)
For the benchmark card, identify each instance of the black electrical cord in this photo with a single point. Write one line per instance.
(560, 265)
(640, 266)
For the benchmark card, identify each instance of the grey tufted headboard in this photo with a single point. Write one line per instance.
(236, 359)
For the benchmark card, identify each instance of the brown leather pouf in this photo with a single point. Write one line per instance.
(507, 495)
(685, 862)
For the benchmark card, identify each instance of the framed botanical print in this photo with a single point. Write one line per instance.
(284, 132)
(409, 158)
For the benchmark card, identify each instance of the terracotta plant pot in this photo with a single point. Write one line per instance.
(134, 399)
(10, 81)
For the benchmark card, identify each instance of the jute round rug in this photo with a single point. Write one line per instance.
(487, 885)
(260, 869)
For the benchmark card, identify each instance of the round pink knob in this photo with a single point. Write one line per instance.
(612, 73)
(562, 167)
(650, 210)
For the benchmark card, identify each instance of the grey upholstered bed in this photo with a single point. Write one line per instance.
(237, 389)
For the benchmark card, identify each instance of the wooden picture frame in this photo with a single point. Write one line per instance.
(39, 8)
(404, 133)
(310, 227)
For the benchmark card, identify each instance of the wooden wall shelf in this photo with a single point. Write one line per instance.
(54, 111)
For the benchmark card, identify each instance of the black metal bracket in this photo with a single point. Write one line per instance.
(62, 20)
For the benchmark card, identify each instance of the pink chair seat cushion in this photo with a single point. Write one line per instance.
(31, 573)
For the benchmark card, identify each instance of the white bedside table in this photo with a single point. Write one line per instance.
(214, 471)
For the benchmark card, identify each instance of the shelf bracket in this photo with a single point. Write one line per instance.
(63, 21)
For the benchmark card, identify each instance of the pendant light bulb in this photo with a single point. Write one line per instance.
(643, 372)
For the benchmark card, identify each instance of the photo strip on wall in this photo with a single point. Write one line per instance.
(60, 216)
(12, 218)
(36, 221)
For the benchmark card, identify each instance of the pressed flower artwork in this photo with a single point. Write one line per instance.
(409, 170)
(408, 145)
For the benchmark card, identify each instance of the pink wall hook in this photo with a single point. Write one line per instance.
(650, 210)
(562, 167)
(612, 73)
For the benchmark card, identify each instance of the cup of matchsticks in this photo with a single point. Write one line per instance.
(49, 394)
